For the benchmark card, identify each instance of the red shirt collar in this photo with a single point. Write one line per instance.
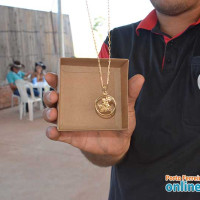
(151, 20)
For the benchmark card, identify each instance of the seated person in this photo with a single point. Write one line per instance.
(16, 74)
(38, 74)
(43, 67)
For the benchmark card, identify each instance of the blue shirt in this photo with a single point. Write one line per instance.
(12, 76)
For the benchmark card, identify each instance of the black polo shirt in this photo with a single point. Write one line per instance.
(166, 140)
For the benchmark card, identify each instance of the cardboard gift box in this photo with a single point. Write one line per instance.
(79, 87)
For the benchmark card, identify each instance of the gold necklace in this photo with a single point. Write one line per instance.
(105, 105)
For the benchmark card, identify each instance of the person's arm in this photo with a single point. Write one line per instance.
(33, 75)
(13, 87)
(40, 78)
(27, 74)
(11, 82)
(24, 75)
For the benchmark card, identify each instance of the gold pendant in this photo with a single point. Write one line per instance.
(105, 106)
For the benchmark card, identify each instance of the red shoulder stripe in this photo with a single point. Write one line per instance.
(104, 51)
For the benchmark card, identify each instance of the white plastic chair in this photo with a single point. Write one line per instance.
(12, 96)
(25, 98)
(12, 99)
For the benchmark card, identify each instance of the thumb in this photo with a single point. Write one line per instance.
(134, 87)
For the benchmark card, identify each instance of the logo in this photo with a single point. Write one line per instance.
(182, 183)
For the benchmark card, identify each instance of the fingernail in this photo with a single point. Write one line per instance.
(49, 96)
(49, 113)
(48, 131)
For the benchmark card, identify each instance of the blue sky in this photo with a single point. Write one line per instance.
(122, 12)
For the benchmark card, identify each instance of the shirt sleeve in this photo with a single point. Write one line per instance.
(22, 74)
(104, 51)
(10, 78)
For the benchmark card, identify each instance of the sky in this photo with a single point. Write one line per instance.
(121, 13)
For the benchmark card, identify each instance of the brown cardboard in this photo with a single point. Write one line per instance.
(80, 86)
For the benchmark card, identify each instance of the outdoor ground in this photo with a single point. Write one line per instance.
(32, 167)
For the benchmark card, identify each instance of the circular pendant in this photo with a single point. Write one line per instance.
(105, 106)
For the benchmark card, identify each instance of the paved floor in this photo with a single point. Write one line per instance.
(32, 167)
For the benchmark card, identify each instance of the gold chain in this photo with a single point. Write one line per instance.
(104, 87)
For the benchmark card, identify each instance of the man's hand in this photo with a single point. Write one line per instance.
(103, 148)
(13, 87)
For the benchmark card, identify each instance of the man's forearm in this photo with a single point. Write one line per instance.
(103, 160)
(27, 74)
(13, 87)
